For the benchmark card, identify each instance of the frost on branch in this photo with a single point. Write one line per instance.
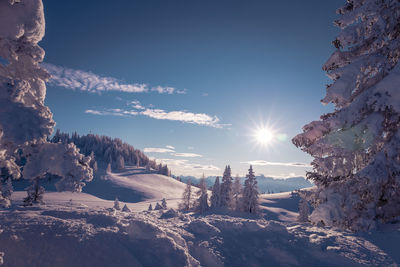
(25, 122)
(356, 147)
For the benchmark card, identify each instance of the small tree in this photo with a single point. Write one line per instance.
(34, 193)
(202, 201)
(120, 162)
(186, 203)
(226, 188)
(250, 193)
(116, 204)
(237, 191)
(164, 203)
(150, 207)
(216, 194)
(158, 206)
(126, 209)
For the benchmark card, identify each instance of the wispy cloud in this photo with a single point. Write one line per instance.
(160, 114)
(186, 155)
(170, 147)
(88, 81)
(184, 166)
(158, 150)
(183, 116)
(269, 163)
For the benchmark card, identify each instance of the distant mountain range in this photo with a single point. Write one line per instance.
(265, 184)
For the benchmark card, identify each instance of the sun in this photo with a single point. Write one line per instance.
(264, 136)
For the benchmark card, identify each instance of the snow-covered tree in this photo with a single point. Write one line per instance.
(150, 207)
(34, 193)
(164, 203)
(250, 193)
(158, 206)
(126, 209)
(226, 188)
(186, 203)
(116, 204)
(304, 210)
(23, 135)
(236, 192)
(120, 163)
(356, 164)
(216, 194)
(202, 200)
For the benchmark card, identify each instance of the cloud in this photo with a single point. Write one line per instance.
(183, 116)
(157, 150)
(186, 155)
(159, 114)
(170, 147)
(93, 83)
(183, 166)
(269, 163)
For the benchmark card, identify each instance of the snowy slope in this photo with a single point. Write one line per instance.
(78, 229)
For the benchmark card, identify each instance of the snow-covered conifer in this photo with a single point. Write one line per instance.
(126, 209)
(120, 162)
(226, 188)
(216, 194)
(202, 200)
(164, 203)
(22, 94)
(158, 206)
(237, 191)
(116, 204)
(355, 148)
(186, 203)
(34, 193)
(250, 193)
(150, 207)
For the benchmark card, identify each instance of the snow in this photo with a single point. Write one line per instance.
(79, 229)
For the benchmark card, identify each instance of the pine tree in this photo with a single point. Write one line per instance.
(164, 203)
(355, 148)
(237, 191)
(202, 200)
(216, 194)
(186, 203)
(150, 207)
(120, 163)
(126, 209)
(158, 206)
(226, 188)
(116, 204)
(34, 194)
(250, 193)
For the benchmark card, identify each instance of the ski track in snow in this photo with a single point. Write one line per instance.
(78, 229)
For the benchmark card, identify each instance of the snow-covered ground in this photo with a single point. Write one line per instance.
(79, 229)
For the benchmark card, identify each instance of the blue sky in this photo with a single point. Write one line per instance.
(198, 76)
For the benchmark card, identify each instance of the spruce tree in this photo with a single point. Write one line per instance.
(250, 193)
(226, 188)
(355, 148)
(164, 203)
(150, 207)
(202, 200)
(216, 194)
(186, 203)
(116, 204)
(237, 191)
